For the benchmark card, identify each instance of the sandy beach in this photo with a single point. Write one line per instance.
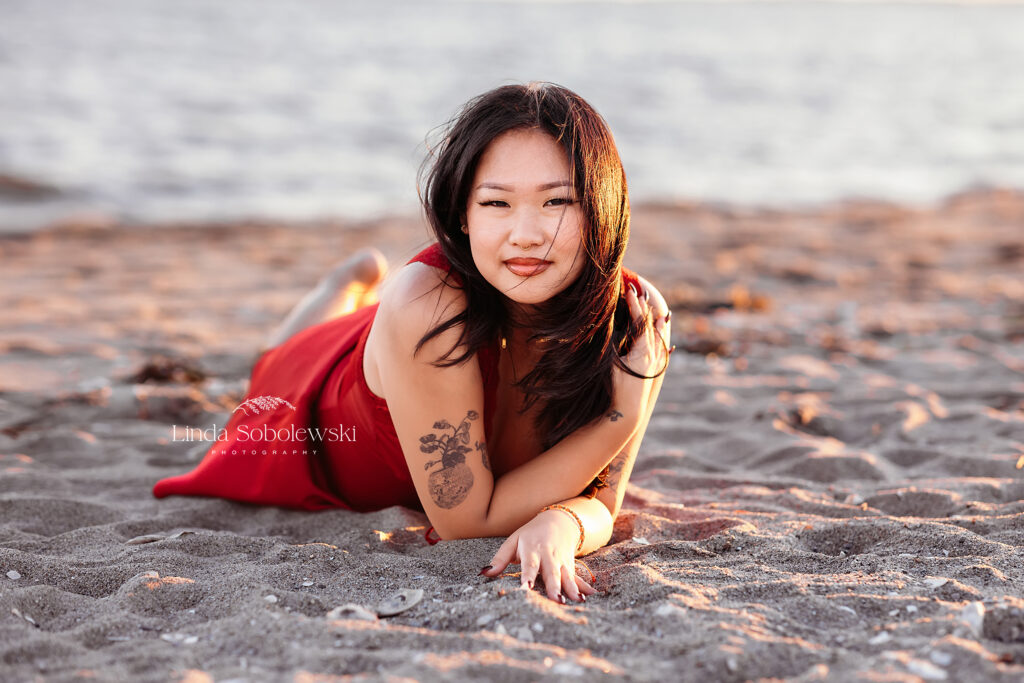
(831, 488)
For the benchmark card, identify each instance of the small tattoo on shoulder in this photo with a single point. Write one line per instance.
(451, 484)
(613, 415)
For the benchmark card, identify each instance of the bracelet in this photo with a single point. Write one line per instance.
(593, 579)
(579, 522)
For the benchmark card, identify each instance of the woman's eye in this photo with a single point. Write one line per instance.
(493, 202)
(560, 201)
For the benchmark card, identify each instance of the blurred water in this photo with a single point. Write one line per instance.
(159, 110)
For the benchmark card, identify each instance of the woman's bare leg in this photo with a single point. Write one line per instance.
(349, 286)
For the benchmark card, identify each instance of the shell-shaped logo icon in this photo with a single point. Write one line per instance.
(262, 404)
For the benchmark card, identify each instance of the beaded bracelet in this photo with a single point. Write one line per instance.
(579, 522)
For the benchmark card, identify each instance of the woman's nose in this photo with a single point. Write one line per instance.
(527, 230)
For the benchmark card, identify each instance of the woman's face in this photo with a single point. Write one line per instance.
(525, 226)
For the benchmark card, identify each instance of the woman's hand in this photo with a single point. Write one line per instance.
(546, 547)
(649, 354)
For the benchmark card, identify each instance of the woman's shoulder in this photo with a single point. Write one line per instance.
(421, 294)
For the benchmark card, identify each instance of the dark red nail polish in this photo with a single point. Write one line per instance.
(583, 597)
(485, 569)
(529, 584)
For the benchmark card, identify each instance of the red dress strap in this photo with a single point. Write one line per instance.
(432, 256)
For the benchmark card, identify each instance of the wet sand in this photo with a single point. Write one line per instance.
(831, 488)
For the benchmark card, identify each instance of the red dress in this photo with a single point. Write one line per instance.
(310, 434)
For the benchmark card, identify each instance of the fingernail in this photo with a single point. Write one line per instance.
(485, 569)
(583, 597)
(668, 316)
(561, 598)
(529, 584)
(632, 288)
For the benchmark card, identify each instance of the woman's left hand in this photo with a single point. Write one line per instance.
(545, 546)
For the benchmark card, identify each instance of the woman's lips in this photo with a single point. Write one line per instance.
(525, 267)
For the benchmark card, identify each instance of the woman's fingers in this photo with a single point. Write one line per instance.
(584, 587)
(530, 565)
(552, 579)
(569, 586)
(661, 327)
(639, 303)
(560, 580)
(505, 556)
(633, 302)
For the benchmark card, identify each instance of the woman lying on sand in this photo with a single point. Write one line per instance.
(521, 313)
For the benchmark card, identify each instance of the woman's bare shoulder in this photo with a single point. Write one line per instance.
(415, 299)
(412, 301)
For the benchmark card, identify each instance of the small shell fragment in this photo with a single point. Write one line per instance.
(153, 538)
(352, 611)
(13, 575)
(400, 601)
(139, 540)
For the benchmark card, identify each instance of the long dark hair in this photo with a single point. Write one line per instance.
(588, 321)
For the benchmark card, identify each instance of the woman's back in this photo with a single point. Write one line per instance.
(315, 383)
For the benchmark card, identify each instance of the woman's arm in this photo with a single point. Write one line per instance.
(564, 470)
(560, 531)
(545, 545)
(621, 465)
(437, 413)
(558, 473)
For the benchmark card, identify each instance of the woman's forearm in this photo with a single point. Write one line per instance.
(558, 473)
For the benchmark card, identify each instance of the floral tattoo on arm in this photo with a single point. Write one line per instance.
(451, 484)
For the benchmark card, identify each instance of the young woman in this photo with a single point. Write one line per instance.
(501, 381)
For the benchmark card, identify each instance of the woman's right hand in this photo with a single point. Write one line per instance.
(649, 354)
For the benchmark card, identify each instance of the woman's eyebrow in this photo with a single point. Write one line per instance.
(510, 188)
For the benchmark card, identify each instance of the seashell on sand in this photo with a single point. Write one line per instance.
(399, 602)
